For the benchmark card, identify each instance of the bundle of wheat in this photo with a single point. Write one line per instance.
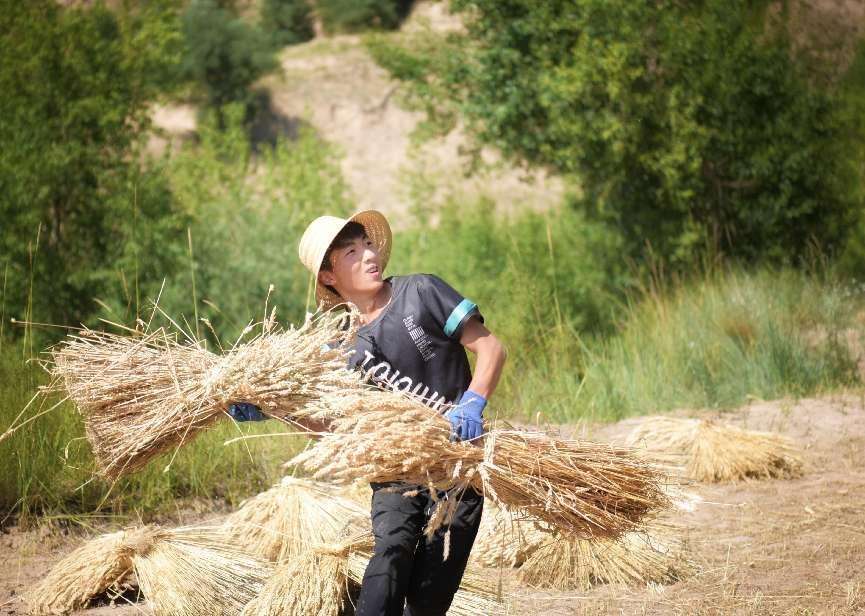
(712, 451)
(193, 571)
(578, 487)
(634, 558)
(99, 566)
(141, 395)
(505, 540)
(310, 584)
(284, 521)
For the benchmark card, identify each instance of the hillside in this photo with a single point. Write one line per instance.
(332, 84)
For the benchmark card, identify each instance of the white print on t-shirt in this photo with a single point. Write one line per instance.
(380, 374)
(420, 338)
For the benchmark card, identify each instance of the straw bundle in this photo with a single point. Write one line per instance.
(97, 567)
(716, 452)
(579, 487)
(504, 540)
(310, 584)
(577, 564)
(144, 394)
(192, 571)
(285, 520)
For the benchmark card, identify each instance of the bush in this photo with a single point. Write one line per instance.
(287, 21)
(690, 126)
(73, 199)
(358, 15)
(224, 55)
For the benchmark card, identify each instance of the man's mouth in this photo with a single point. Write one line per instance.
(373, 269)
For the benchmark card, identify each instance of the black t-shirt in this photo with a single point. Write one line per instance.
(414, 344)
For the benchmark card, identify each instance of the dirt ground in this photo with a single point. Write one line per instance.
(761, 547)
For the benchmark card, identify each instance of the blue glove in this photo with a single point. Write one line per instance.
(467, 417)
(244, 411)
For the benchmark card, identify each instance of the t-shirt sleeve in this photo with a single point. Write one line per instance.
(447, 307)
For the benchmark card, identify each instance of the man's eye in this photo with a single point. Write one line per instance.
(350, 251)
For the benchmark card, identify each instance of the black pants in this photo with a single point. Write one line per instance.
(407, 575)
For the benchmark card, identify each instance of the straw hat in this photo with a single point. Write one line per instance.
(321, 232)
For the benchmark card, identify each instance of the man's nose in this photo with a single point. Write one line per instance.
(370, 254)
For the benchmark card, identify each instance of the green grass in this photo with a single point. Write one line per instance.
(714, 343)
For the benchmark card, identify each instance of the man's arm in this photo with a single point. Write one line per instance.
(491, 356)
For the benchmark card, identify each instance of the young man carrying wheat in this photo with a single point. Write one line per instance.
(413, 337)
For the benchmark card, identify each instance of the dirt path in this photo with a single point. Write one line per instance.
(762, 547)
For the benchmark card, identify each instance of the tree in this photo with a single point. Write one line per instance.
(223, 54)
(358, 15)
(72, 109)
(689, 126)
(288, 21)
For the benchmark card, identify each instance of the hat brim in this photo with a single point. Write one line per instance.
(378, 231)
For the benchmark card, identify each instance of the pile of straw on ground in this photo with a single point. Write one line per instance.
(711, 451)
(180, 572)
(505, 540)
(190, 571)
(98, 567)
(285, 520)
(636, 558)
(310, 584)
(142, 395)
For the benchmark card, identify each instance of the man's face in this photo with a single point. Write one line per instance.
(356, 269)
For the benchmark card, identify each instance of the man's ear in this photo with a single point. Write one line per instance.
(326, 278)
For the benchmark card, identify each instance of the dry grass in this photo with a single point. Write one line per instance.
(636, 558)
(505, 541)
(183, 571)
(99, 566)
(310, 584)
(714, 452)
(192, 571)
(146, 393)
(143, 394)
(282, 522)
(580, 487)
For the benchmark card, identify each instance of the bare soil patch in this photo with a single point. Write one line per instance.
(762, 547)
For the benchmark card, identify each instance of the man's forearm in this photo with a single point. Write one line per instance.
(491, 356)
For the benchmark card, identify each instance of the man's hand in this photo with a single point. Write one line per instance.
(244, 411)
(467, 417)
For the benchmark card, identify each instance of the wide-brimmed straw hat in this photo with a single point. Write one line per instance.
(321, 232)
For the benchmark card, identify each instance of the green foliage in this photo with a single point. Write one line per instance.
(287, 21)
(585, 342)
(690, 126)
(358, 15)
(423, 59)
(223, 54)
(719, 341)
(72, 197)
(536, 272)
(248, 214)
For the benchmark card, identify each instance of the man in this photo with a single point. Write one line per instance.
(413, 335)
